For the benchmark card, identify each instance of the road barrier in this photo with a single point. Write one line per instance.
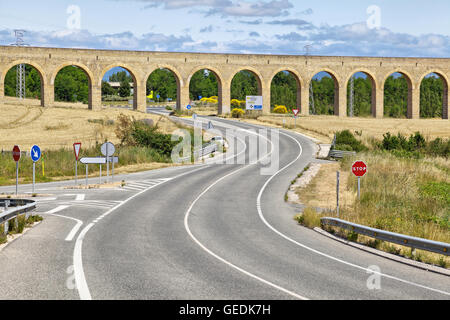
(340, 154)
(206, 149)
(408, 241)
(13, 208)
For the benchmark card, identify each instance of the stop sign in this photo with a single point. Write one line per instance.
(359, 168)
(16, 153)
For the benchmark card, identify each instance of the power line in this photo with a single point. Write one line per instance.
(352, 95)
(311, 90)
(20, 69)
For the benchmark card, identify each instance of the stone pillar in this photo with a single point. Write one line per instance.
(95, 98)
(413, 103)
(377, 102)
(446, 101)
(266, 99)
(224, 98)
(184, 97)
(2, 91)
(47, 95)
(140, 97)
(303, 98)
(340, 100)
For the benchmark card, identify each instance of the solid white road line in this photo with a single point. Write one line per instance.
(57, 209)
(188, 230)
(75, 229)
(258, 207)
(80, 279)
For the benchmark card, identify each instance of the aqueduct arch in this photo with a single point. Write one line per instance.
(141, 64)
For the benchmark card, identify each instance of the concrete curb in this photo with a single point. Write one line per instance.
(390, 256)
(14, 237)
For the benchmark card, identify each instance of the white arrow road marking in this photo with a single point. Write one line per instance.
(74, 229)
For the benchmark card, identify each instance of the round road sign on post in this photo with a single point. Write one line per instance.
(16, 157)
(108, 149)
(16, 153)
(35, 153)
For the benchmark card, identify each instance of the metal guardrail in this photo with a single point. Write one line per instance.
(205, 150)
(340, 154)
(14, 207)
(408, 241)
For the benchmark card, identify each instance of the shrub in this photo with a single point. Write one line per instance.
(345, 137)
(235, 103)
(21, 222)
(309, 218)
(237, 113)
(280, 109)
(415, 146)
(2, 234)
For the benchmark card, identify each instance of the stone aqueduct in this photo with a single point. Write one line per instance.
(95, 63)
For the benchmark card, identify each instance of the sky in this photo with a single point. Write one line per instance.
(328, 27)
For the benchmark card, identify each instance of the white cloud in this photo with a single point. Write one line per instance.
(237, 8)
(353, 39)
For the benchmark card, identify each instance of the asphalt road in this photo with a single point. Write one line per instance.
(209, 231)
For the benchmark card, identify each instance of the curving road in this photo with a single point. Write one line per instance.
(200, 232)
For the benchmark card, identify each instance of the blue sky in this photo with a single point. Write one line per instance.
(391, 28)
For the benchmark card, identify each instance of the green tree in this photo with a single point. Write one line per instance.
(362, 97)
(121, 76)
(162, 82)
(107, 89)
(124, 89)
(323, 95)
(284, 90)
(431, 90)
(244, 84)
(72, 85)
(396, 97)
(203, 83)
(32, 82)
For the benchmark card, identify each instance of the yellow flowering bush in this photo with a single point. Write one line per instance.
(280, 109)
(235, 103)
(237, 113)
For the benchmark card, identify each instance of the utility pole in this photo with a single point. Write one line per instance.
(352, 95)
(20, 70)
(311, 91)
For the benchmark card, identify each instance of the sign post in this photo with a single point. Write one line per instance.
(337, 193)
(76, 150)
(35, 156)
(107, 150)
(359, 169)
(16, 157)
(295, 111)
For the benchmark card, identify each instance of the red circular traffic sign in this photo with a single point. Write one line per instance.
(359, 168)
(16, 153)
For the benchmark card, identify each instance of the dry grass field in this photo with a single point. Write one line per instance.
(324, 127)
(407, 196)
(60, 126)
